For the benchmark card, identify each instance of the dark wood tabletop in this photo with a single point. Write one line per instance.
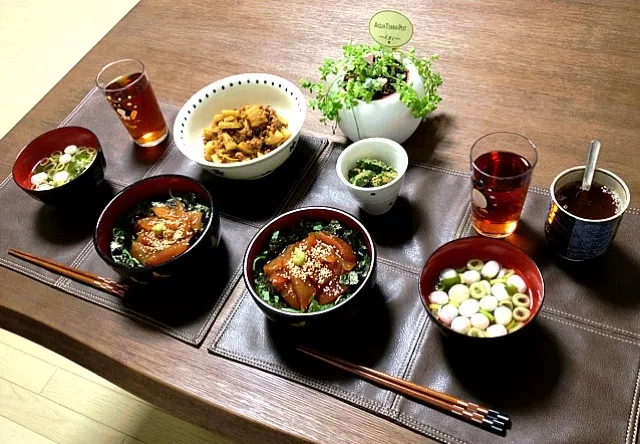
(560, 72)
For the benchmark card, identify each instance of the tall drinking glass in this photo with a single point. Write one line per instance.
(501, 167)
(126, 86)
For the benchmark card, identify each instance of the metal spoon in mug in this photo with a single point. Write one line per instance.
(594, 150)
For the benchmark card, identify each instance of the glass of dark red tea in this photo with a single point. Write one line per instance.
(582, 224)
(126, 86)
(501, 167)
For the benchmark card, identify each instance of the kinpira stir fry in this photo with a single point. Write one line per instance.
(311, 267)
(243, 134)
(155, 232)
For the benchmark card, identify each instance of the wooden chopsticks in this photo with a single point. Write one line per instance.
(490, 420)
(93, 280)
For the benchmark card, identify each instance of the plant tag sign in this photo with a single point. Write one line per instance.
(390, 28)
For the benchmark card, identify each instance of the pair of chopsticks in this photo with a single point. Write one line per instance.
(483, 417)
(93, 280)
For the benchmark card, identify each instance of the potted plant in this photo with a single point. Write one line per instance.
(373, 91)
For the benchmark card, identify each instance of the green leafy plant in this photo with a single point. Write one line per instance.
(371, 72)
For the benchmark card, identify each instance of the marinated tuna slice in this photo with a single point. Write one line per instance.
(332, 291)
(194, 219)
(164, 235)
(290, 296)
(311, 269)
(344, 249)
(150, 256)
(169, 212)
(304, 290)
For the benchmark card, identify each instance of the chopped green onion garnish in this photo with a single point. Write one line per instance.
(475, 264)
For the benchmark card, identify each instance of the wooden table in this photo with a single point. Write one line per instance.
(560, 72)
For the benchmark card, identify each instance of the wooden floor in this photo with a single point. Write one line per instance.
(41, 40)
(46, 399)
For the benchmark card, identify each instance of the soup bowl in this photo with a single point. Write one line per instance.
(457, 253)
(340, 311)
(158, 187)
(74, 192)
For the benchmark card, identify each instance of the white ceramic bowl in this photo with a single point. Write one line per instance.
(234, 92)
(374, 200)
(387, 117)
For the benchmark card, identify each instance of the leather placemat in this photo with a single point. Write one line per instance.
(185, 312)
(426, 214)
(126, 163)
(573, 377)
(255, 202)
(384, 338)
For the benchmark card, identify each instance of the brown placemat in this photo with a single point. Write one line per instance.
(573, 378)
(187, 311)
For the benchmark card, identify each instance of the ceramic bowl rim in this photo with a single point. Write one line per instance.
(144, 268)
(501, 243)
(200, 97)
(298, 315)
(61, 187)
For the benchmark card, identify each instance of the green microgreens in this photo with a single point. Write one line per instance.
(369, 72)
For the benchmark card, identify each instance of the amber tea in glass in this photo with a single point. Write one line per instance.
(501, 166)
(127, 88)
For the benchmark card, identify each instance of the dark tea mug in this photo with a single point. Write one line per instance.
(576, 238)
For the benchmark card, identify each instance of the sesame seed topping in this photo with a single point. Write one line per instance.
(315, 267)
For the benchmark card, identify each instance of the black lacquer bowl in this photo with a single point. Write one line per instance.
(75, 193)
(342, 311)
(144, 190)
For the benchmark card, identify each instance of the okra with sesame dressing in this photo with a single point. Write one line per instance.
(369, 173)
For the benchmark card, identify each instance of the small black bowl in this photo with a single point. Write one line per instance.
(73, 193)
(340, 312)
(151, 188)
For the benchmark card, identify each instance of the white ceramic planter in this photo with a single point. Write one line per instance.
(388, 118)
